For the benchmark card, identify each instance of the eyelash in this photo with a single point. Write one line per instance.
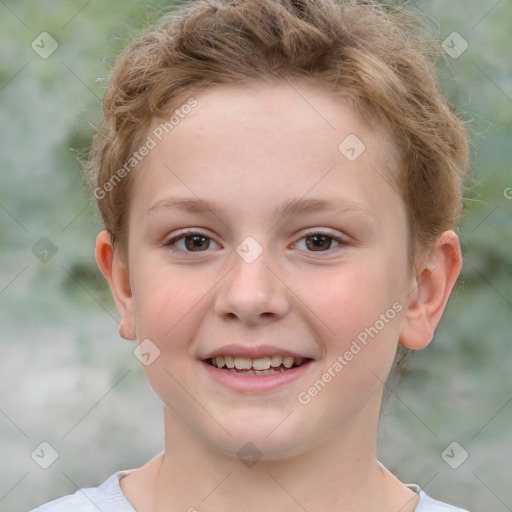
(174, 239)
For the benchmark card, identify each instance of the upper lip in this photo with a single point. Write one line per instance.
(253, 352)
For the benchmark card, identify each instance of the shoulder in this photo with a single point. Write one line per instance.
(107, 497)
(428, 504)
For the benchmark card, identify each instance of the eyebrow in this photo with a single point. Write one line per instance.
(289, 207)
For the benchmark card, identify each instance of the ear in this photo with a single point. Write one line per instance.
(433, 284)
(117, 275)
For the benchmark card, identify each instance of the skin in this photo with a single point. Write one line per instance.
(249, 150)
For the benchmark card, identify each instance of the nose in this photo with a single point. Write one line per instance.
(252, 291)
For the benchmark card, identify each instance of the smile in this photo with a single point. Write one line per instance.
(260, 366)
(245, 375)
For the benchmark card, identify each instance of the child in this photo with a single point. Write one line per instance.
(278, 182)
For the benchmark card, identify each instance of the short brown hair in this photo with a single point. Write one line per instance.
(374, 53)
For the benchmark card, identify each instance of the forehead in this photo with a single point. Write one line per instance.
(264, 144)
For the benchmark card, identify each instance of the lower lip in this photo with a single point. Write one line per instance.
(255, 383)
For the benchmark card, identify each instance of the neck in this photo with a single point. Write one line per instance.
(340, 472)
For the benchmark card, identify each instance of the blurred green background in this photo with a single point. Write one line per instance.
(70, 380)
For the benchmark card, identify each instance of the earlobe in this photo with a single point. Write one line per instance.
(117, 275)
(432, 288)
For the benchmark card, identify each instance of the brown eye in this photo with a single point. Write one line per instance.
(319, 242)
(196, 242)
(192, 242)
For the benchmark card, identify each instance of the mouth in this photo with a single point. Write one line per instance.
(269, 365)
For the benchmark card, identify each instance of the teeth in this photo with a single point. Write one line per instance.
(288, 362)
(276, 361)
(243, 363)
(261, 364)
(259, 373)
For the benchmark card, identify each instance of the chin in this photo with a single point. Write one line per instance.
(255, 441)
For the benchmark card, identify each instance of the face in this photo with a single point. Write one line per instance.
(325, 280)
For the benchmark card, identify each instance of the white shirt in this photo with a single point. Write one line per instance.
(108, 497)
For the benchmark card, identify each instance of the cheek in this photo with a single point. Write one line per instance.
(353, 298)
(166, 299)
(168, 304)
(361, 309)
(359, 355)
